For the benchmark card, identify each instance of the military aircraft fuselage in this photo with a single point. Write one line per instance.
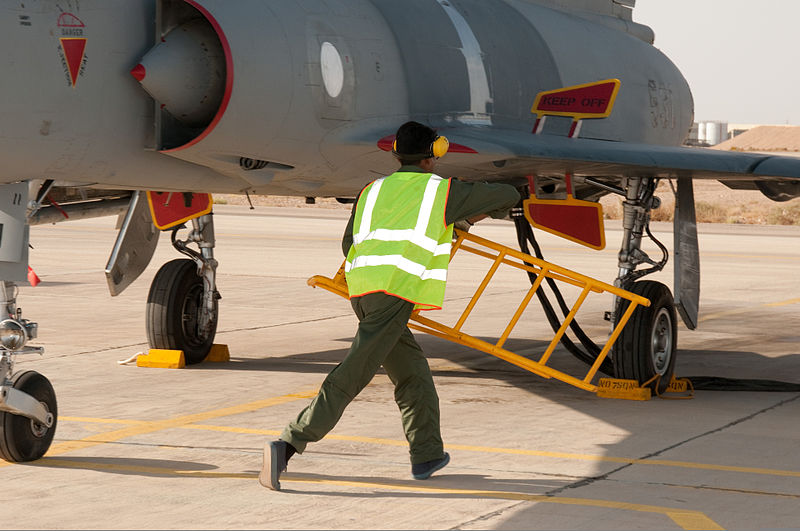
(292, 97)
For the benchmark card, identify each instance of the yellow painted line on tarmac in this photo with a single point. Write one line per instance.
(747, 310)
(177, 422)
(517, 451)
(783, 303)
(690, 520)
(93, 420)
(685, 519)
(330, 436)
(464, 447)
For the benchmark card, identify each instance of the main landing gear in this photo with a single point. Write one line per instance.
(646, 349)
(182, 307)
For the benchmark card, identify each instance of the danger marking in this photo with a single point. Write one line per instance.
(72, 49)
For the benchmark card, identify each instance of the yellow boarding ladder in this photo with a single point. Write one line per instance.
(501, 255)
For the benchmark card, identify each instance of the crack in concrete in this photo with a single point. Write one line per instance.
(594, 479)
(488, 516)
(727, 489)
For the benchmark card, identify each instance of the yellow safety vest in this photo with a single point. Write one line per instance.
(401, 244)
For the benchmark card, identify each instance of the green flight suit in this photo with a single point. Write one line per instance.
(383, 339)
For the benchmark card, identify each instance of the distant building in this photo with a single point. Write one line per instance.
(707, 134)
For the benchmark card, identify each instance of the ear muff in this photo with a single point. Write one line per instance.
(440, 147)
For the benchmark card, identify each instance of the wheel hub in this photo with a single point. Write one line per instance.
(661, 341)
(192, 307)
(38, 429)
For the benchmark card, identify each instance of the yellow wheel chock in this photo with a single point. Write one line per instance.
(502, 255)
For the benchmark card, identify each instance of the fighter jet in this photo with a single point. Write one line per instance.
(141, 108)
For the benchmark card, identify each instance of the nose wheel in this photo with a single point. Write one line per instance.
(22, 438)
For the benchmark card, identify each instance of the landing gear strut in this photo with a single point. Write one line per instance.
(646, 349)
(182, 307)
(28, 409)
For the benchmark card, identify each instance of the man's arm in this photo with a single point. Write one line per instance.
(347, 238)
(470, 200)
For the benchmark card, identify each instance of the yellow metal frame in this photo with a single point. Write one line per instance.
(501, 255)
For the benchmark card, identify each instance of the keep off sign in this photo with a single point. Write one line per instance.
(592, 100)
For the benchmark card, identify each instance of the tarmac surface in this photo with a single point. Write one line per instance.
(166, 449)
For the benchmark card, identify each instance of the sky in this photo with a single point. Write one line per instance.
(740, 57)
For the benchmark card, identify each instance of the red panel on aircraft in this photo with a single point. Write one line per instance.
(170, 209)
(575, 222)
(73, 53)
(386, 142)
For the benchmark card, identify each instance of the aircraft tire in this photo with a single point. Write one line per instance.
(173, 308)
(23, 439)
(647, 345)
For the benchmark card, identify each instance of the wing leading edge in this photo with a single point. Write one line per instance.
(506, 153)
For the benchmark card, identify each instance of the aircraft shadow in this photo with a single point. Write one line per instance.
(453, 362)
(470, 363)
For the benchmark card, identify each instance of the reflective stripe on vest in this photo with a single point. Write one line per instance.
(387, 255)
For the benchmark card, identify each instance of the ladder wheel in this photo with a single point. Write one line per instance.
(647, 345)
(23, 439)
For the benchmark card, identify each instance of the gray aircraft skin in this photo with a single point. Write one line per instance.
(244, 80)
(301, 97)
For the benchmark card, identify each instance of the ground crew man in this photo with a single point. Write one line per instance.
(397, 245)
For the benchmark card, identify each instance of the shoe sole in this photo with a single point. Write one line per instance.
(438, 467)
(269, 467)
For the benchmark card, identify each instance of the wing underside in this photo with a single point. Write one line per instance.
(514, 154)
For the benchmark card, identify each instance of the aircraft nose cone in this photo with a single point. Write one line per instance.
(186, 73)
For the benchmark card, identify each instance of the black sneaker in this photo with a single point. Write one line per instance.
(424, 470)
(274, 463)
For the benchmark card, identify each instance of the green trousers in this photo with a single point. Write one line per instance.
(383, 338)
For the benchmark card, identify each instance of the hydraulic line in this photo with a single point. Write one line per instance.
(718, 383)
(589, 356)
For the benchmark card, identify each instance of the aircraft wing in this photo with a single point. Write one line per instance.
(514, 153)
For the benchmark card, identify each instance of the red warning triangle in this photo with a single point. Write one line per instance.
(73, 52)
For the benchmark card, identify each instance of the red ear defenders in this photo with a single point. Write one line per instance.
(438, 148)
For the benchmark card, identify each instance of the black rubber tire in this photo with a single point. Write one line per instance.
(173, 309)
(648, 343)
(23, 439)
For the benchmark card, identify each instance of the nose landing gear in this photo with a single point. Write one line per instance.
(28, 409)
(28, 425)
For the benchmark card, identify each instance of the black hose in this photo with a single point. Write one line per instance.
(589, 356)
(718, 383)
